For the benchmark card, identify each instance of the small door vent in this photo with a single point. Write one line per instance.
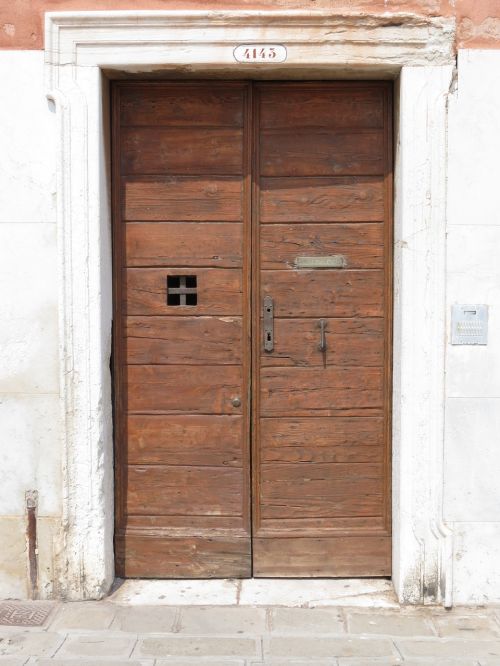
(182, 290)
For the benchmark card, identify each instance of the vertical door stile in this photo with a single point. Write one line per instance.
(388, 297)
(247, 306)
(256, 313)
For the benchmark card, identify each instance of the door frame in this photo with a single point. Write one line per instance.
(81, 50)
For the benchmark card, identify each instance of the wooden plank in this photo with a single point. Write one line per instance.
(176, 198)
(321, 440)
(349, 556)
(185, 525)
(319, 391)
(182, 244)
(219, 292)
(320, 152)
(350, 342)
(342, 199)
(183, 389)
(183, 340)
(362, 245)
(185, 440)
(325, 293)
(182, 151)
(329, 526)
(320, 490)
(178, 490)
(182, 104)
(184, 557)
(331, 107)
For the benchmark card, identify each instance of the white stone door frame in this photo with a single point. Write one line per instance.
(418, 53)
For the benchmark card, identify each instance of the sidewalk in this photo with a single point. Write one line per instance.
(107, 632)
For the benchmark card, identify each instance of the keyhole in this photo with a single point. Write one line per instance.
(268, 337)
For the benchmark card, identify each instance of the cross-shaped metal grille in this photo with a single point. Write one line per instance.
(181, 290)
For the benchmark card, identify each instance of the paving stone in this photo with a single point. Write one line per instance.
(306, 621)
(186, 646)
(391, 624)
(144, 619)
(222, 621)
(222, 662)
(91, 662)
(84, 615)
(444, 647)
(294, 662)
(29, 643)
(97, 645)
(396, 661)
(466, 626)
(324, 647)
(6, 661)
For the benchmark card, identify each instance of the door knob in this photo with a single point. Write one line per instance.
(236, 402)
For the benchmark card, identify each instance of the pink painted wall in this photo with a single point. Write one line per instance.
(478, 21)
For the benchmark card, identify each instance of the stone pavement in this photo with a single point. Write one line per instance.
(108, 633)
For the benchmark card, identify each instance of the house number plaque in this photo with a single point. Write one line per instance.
(260, 53)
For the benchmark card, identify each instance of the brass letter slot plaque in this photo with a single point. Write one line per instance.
(332, 261)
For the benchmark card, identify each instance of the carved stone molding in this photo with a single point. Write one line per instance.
(416, 51)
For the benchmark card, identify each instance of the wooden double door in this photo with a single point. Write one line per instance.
(252, 328)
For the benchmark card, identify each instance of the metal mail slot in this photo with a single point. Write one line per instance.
(332, 261)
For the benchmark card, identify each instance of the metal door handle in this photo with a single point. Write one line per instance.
(322, 336)
(268, 324)
(236, 402)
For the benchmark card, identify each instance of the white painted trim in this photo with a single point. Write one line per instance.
(79, 45)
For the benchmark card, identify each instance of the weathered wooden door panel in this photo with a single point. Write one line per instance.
(323, 557)
(321, 442)
(181, 329)
(281, 244)
(206, 174)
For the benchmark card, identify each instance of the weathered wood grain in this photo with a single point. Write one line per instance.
(320, 152)
(219, 292)
(329, 105)
(176, 198)
(321, 469)
(357, 342)
(319, 391)
(178, 389)
(321, 440)
(178, 490)
(325, 293)
(181, 244)
(362, 245)
(185, 440)
(322, 557)
(147, 556)
(326, 490)
(181, 151)
(342, 199)
(178, 340)
(330, 526)
(182, 104)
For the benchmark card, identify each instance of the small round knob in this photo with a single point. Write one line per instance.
(236, 402)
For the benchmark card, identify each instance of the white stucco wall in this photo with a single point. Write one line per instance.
(472, 441)
(29, 392)
(30, 451)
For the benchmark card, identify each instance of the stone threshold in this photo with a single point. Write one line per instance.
(304, 593)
